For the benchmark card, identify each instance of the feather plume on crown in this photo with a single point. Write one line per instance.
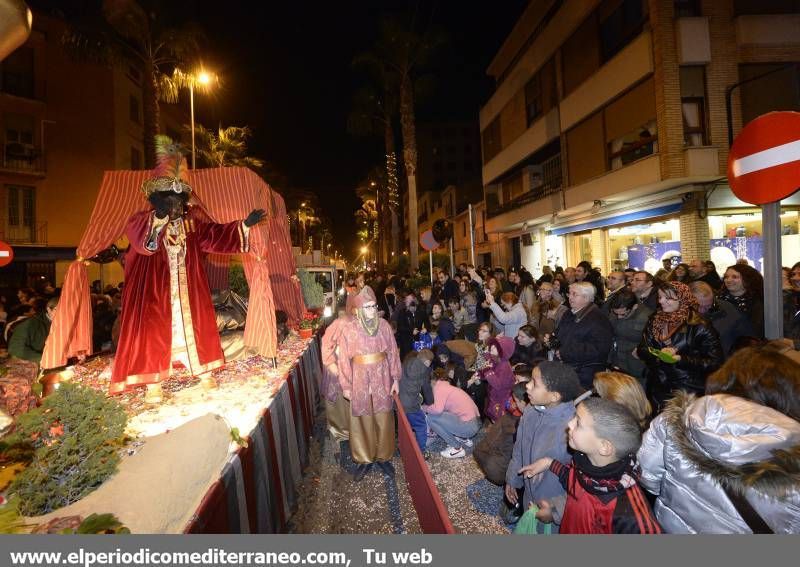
(171, 172)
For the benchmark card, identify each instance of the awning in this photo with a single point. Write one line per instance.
(618, 219)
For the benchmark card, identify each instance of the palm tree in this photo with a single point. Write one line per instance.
(397, 58)
(228, 147)
(373, 113)
(127, 33)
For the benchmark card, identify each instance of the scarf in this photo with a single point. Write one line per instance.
(743, 303)
(665, 324)
(370, 326)
(605, 482)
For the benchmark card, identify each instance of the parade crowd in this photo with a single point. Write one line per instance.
(630, 403)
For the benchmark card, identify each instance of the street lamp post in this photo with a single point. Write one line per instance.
(202, 78)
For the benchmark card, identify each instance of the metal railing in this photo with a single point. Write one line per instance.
(550, 184)
(25, 234)
(23, 160)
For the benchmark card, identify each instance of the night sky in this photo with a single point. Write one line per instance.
(286, 72)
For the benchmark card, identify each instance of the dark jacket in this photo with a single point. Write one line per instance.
(445, 329)
(406, 323)
(387, 304)
(586, 339)
(27, 341)
(651, 301)
(415, 385)
(700, 349)
(751, 305)
(730, 324)
(527, 355)
(493, 453)
(627, 336)
(449, 291)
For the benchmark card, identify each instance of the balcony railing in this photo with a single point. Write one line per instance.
(549, 184)
(25, 234)
(20, 158)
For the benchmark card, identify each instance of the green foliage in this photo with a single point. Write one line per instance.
(238, 281)
(237, 437)
(399, 264)
(75, 435)
(313, 294)
(100, 524)
(11, 521)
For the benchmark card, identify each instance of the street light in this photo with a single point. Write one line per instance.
(202, 79)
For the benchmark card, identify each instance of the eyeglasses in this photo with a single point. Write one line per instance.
(373, 306)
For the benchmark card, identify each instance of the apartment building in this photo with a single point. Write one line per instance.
(63, 124)
(448, 171)
(606, 138)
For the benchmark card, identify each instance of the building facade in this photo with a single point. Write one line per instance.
(606, 138)
(63, 124)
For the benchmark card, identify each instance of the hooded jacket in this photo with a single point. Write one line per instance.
(415, 387)
(542, 432)
(699, 443)
(500, 378)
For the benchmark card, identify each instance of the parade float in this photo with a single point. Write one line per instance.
(216, 456)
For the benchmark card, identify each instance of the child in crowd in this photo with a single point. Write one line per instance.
(603, 495)
(498, 375)
(458, 313)
(493, 452)
(522, 373)
(453, 416)
(415, 389)
(551, 392)
(627, 391)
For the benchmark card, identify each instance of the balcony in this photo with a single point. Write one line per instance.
(35, 234)
(24, 159)
(548, 184)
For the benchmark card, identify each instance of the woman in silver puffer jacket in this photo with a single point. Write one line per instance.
(745, 434)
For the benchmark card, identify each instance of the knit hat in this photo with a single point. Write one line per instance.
(426, 354)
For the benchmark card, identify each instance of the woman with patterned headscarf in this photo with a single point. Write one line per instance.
(369, 371)
(679, 347)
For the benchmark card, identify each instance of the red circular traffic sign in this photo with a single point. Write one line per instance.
(764, 161)
(6, 254)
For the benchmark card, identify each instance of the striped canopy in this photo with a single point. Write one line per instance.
(225, 194)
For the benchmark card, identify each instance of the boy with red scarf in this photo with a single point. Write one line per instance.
(603, 496)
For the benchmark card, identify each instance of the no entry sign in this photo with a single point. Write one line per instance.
(764, 161)
(6, 254)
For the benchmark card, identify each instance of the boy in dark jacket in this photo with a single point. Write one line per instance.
(603, 494)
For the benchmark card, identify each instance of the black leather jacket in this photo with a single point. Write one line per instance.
(700, 349)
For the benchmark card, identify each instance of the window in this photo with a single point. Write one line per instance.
(630, 125)
(755, 7)
(586, 157)
(620, 22)
(21, 211)
(19, 151)
(133, 105)
(451, 149)
(463, 229)
(693, 105)
(437, 167)
(468, 166)
(136, 159)
(540, 92)
(491, 140)
(687, 8)
(16, 73)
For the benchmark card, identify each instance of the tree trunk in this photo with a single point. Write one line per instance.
(149, 116)
(391, 187)
(408, 124)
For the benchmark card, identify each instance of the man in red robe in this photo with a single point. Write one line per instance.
(167, 313)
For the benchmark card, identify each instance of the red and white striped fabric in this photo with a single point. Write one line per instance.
(227, 194)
